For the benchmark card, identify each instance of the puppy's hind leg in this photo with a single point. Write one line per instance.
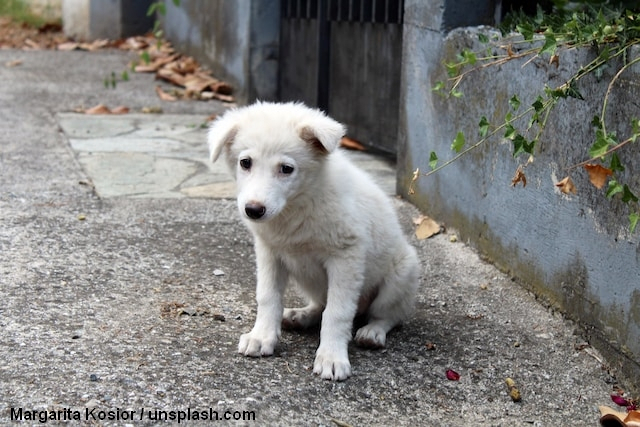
(302, 318)
(393, 304)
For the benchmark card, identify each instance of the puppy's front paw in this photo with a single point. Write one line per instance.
(256, 344)
(332, 365)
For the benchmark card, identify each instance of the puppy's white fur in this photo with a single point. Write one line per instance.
(319, 222)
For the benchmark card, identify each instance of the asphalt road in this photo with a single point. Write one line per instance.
(127, 309)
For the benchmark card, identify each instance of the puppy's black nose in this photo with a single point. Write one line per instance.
(254, 210)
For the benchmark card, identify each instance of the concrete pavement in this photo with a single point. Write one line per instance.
(123, 303)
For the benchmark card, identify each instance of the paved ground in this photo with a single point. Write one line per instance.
(128, 299)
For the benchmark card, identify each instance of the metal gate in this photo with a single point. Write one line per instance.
(344, 57)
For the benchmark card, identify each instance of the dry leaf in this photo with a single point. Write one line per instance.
(427, 228)
(514, 393)
(67, 46)
(121, 109)
(510, 51)
(567, 186)
(351, 144)
(13, 63)
(555, 60)
(598, 175)
(98, 109)
(519, 177)
(164, 95)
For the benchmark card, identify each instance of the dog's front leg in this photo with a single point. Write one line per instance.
(345, 283)
(272, 278)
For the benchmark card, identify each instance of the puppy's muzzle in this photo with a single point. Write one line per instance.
(255, 210)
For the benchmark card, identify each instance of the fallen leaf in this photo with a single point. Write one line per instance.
(32, 45)
(164, 95)
(351, 144)
(13, 63)
(619, 400)
(67, 46)
(519, 177)
(98, 109)
(554, 60)
(567, 186)
(598, 175)
(121, 109)
(514, 393)
(152, 110)
(452, 375)
(427, 228)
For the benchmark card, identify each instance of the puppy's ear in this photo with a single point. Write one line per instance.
(221, 134)
(322, 133)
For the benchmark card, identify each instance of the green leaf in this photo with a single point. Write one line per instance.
(145, 57)
(521, 145)
(614, 188)
(538, 105)
(633, 221)
(482, 38)
(433, 160)
(600, 147)
(510, 132)
(438, 86)
(514, 102)
(125, 76)
(452, 69)
(615, 165)
(527, 30)
(469, 57)
(176, 3)
(595, 122)
(458, 142)
(550, 43)
(483, 127)
(627, 195)
(456, 93)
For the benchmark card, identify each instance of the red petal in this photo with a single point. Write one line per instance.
(452, 375)
(619, 400)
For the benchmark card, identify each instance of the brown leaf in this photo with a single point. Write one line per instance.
(598, 174)
(555, 60)
(13, 63)
(121, 109)
(98, 109)
(164, 95)
(567, 186)
(426, 227)
(171, 76)
(67, 46)
(519, 177)
(351, 144)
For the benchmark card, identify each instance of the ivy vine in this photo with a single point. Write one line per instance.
(610, 30)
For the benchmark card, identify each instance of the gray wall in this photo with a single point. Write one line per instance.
(575, 251)
(238, 40)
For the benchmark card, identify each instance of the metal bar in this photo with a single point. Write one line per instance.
(324, 34)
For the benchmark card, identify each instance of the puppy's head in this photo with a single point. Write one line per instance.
(274, 151)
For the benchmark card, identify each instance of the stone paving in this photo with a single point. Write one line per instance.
(146, 155)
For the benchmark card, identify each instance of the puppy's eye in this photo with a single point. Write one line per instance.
(286, 169)
(245, 164)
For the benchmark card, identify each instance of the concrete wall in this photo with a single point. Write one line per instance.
(238, 40)
(575, 251)
(106, 19)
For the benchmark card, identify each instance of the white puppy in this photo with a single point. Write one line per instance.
(319, 222)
